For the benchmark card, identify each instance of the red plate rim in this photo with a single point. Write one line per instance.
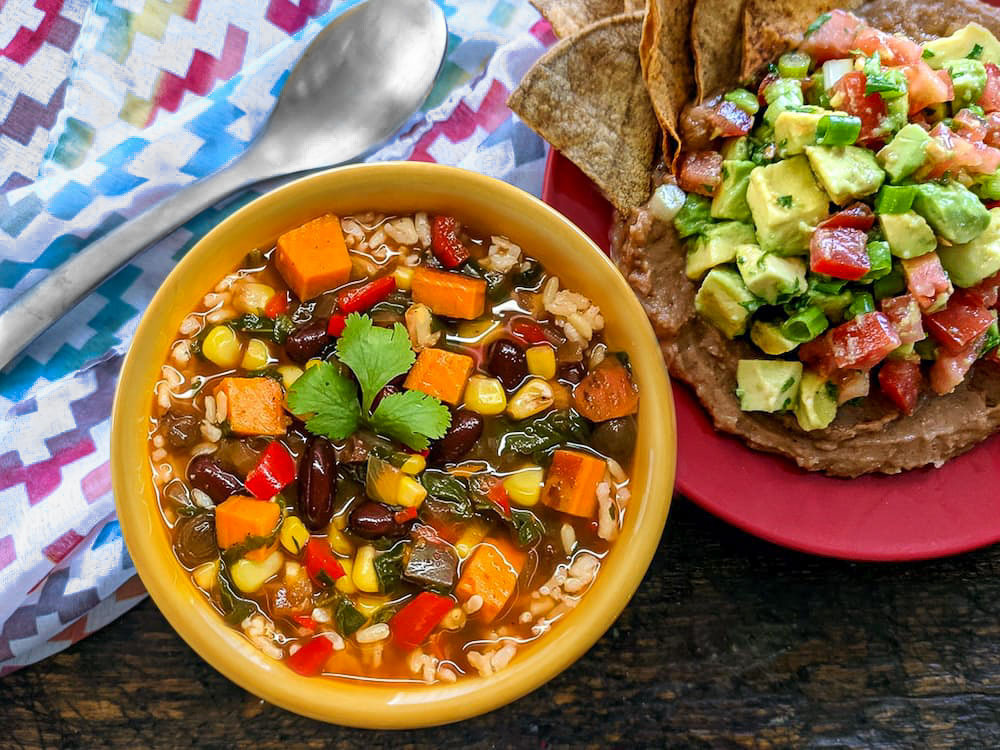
(920, 514)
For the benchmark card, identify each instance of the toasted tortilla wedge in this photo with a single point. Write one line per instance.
(571, 16)
(665, 52)
(586, 97)
(717, 43)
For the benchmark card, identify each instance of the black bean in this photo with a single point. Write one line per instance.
(212, 478)
(387, 391)
(572, 372)
(373, 520)
(194, 539)
(508, 362)
(466, 428)
(318, 483)
(306, 342)
(181, 431)
(615, 438)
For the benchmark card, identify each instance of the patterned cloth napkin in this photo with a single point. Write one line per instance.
(107, 106)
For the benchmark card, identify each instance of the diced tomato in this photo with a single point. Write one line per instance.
(320, 563)
(835, 38)
(310, 659)
(764, 84)
(851, 384)
(927, 86)
(414, 622)
(700, 172)
(445, 242)
(990, 100)
(900, 380)
(949, 153)
(927, 280)
(276, 305)
(849, 95)
(337, 324)
(949, 369)
(728, 120)
(305, 621)
(839, 253)
(274, 471)
(892, 50)
(992, 137)
(986, 290)
(904, 314)
(818, 354)
(855, 216)
(963, 320)
(863, 342)
(530, 332)
(970, 126)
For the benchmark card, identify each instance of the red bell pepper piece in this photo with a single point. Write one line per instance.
(839, 253)
(405, 515)
(445, 243)
(276, 305)
(498, 494)
(366, 296)
(414, 622)
(855, 216)
(529, 331)
(900, 380)
(274, 471)
(309, 660)
(963, 320)
(320, 563)
(305, 621)
(337, 324)
(862, 343)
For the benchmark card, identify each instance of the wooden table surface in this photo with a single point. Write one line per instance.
(730, 643)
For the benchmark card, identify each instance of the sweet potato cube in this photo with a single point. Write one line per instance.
(441, 374)
(254, 406)
(449, 294)
(241, 517)
(571, 485)
(491, 572)
(313, 257)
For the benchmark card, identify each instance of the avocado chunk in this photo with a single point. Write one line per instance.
(953, 211)
(786, 205)
(961, 44)
(730, 200)
(767, 384)
(845, 172)
(794, 129)
(770, 277)
(969, 79)
(769, 338)
(908, 234)
(725, 302)
(816, 407)
(715, 246)
(974, 261)
(736, 149)
(905, 153)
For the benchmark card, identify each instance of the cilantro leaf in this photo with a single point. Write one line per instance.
(411, 418)
(375, 355)
(330, 398)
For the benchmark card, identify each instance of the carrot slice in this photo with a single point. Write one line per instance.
(606, 393)
(571, 484)
(241, 517)
(441, 374)
(254, 405)
(449, 294)
(313, 257)
(491, 572)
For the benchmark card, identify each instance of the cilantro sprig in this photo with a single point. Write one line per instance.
(328, 399)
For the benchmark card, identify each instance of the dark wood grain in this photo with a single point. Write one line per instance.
(730, 643)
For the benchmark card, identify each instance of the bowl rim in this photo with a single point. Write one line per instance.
(395, 705)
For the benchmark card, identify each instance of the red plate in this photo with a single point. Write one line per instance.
(919, 514)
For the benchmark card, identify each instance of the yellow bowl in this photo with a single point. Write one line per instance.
(396, 188)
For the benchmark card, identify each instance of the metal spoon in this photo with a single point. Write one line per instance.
(358, 81)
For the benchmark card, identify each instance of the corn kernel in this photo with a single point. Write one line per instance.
(339, 543)
(222, 347)
(207, 575)
(409, 492)
(289, 374)
(251, 297)
(485, 395)
(345, 584)
(313, 362)
(294, 536)
(474, 533)
(534, 396)
(363, 574)
(403, 276)
(524, 486)
(256, 356)
(369, 605)
(541, 361)
(414, 465)
(340, 522)
(249, 576)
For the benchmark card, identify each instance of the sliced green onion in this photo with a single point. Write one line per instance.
(895, 199)
(834, 70)
(794, 64)
(826, 285)
(694, 216)
(743, 99)
(890, 285)
(992, 339)
(879, 260)
(805, 325)
(988, 188)
(861, 304)
(838, 130)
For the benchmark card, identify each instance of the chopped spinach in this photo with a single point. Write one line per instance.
(527, 527)
(446, 488)
(347, 617)
(389, 568)
(235, 609)
(277, 329)
(547, 431)
(384, 615)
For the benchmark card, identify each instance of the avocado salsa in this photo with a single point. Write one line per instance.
(848, 221)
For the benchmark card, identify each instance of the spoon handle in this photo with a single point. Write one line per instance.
(43, 304)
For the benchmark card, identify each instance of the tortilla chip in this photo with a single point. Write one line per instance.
(771, 27)
(586, 97)
(717, 44)
(926, 19)
(665, 53)
(571, 16)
